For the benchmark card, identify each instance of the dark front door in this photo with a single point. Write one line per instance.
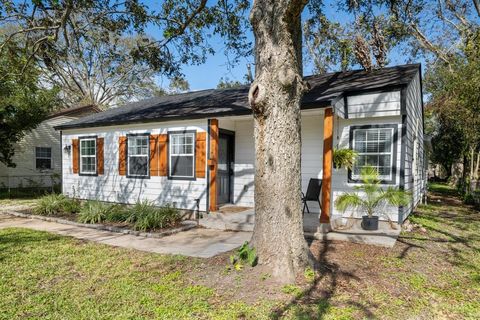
(225, 167)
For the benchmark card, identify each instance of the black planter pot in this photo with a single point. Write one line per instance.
(370, 223)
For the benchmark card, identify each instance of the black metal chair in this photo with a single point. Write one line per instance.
(313, 193)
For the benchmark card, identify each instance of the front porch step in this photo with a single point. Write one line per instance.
(245, 220)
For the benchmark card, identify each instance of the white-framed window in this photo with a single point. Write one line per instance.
(375, 147)
(182, 155)
(138, 155)
(88, 155)
(43, 158)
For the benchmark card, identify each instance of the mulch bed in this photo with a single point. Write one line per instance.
(121, 227)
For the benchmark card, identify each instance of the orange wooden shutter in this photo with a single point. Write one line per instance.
(122, 156)
(100, 155)
(200, 154)
(154, 155)
(75, 155)
(163, 154)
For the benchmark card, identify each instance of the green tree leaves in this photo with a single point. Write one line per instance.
(23, 101)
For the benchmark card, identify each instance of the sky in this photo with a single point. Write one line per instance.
(208, 75)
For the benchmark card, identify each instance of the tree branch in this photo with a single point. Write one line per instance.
(476, 3)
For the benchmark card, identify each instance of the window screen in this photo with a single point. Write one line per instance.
(138, 157)
(43, 158)
(374, 148)
(182, 155)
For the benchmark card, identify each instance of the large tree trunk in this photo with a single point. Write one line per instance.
(275, 99)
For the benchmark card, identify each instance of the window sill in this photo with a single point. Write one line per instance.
(137, 177)
(182, 178)
(382, 182)
(88, 174)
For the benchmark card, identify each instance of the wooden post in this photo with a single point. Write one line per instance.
(212, 163)
(327, 165)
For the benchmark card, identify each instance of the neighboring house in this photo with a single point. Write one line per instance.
(196, 150)
(37, 155)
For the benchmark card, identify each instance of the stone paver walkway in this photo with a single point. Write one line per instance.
(197, 242)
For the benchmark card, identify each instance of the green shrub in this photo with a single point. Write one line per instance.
(71, 205)
(469, 199)
(472, 199)
(344, 158)
(55, 204)
(94, 212)
(145, 216)
(118, 213)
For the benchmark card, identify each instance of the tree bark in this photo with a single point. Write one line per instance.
(275, 98)
(477, 167)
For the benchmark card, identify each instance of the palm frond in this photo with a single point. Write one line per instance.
(369, 175)
(348, 200)
(396, 196)
(372, 194)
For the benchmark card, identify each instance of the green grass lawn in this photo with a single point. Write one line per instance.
(18, 202)
(427, 275)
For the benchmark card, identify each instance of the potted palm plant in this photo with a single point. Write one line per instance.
(371, 198)
(344, 158)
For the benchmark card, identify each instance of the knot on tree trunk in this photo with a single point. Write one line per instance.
(290, 79)
(287, 77)
(256, 99)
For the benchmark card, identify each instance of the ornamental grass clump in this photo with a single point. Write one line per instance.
(118, 213)
(145, 216)
(56, 204)
(94, 212)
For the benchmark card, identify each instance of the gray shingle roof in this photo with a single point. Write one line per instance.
(229, 102)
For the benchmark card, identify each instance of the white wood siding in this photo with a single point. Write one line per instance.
(244, 163)
(115, 188)
(415, 171)
(374, 105)
(312, 157)
(312, 150)
(340, 182)
(25, 173)
(340, 107)
(312, 153)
